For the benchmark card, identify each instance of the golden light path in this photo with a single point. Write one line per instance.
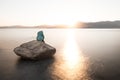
(71, 51)
(70, 63)
(74, 61)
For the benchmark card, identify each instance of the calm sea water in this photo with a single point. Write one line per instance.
(82, 54)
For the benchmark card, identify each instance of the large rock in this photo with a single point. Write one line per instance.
(35, 50)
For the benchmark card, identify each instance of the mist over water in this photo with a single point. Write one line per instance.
(82, 54)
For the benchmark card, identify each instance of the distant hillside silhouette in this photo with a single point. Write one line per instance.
(102, 24)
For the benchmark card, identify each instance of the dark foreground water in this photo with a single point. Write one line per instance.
(82, 54)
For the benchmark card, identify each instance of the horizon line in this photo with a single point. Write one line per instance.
(57, 24)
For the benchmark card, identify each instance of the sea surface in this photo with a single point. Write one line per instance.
(82, 54)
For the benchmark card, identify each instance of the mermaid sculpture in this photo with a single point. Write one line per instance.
(40, 36)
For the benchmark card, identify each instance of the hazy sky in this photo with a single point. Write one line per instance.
(37, 12)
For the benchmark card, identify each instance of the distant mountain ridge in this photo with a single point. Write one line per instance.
(101, 24)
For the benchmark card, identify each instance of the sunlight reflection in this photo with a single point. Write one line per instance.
(71, 51)
(71, 55)
(74, 62)
(70, 64)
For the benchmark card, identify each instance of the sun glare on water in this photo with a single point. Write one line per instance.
(71, 51)
(73, 57)
(70, 64)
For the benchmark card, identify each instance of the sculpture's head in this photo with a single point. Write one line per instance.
(40, 33)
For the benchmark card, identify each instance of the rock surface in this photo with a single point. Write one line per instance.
(35, 50)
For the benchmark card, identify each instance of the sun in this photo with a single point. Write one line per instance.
(66, 23)
(60, 21)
